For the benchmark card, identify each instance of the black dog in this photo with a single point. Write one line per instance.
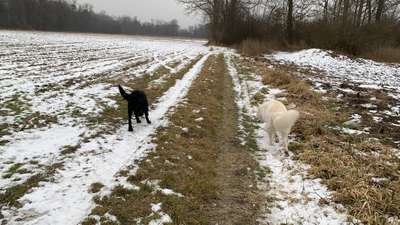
(137, 103)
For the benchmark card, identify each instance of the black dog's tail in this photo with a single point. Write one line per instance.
(123, 93)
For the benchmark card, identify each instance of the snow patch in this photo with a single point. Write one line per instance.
(368, 73)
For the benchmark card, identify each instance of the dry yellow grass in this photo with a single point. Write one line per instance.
(253, 47)
(385, 54)
(280, 78)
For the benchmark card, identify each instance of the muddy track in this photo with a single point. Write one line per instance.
(237, 197)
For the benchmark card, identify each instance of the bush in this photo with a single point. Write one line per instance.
(254, 47)
(384, 54)
(357, 41)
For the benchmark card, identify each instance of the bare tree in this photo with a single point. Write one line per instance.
(227, 18)
(290, 21)
(62, 15)
(379, 10)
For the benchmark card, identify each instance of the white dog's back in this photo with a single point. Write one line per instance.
(277, 119)
(269, 110)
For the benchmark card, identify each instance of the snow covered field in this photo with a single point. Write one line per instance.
(63, 79)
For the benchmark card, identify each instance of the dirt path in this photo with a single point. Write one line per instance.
(237, 200)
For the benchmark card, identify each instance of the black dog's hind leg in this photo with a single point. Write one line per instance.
(137, 118)
(146, 113)
(130, 120)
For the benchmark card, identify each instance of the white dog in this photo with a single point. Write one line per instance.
(278, 120)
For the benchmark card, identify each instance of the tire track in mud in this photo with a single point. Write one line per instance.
(239, 199)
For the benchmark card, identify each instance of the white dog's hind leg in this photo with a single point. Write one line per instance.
(270, 134)
(283, 141)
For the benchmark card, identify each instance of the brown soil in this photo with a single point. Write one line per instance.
(237, 200)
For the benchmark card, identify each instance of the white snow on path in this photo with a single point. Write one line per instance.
(67, 200)
(296, 197)
(366, 72)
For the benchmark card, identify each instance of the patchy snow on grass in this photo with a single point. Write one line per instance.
(58, 75)
(155, 185)
(164, 218)
(67, 76)
(350, 131)
(199, 119)
(297, 198)
(354, 120)
(350, 78)
(167, 191)
(368, 73)
(40, 145)
(112, 218)
(67, 101)
(51, 71)
(67, 200)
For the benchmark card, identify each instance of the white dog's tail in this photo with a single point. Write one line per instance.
(286, 120)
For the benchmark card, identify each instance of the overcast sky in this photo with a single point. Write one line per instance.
(146, 10)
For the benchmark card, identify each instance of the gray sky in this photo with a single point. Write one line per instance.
(146, 10)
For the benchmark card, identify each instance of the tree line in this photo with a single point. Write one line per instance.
(346, 25)
(63, 15)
